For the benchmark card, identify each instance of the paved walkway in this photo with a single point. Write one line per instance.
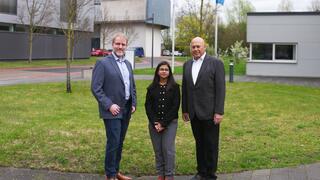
(303, 172)
(56, 74)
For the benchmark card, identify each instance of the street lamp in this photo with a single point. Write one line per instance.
(148, 19)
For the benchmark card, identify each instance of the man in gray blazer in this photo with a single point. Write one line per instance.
(203, 94)
(114, 88)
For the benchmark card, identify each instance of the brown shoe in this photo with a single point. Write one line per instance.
(123, 177)
(160, 177)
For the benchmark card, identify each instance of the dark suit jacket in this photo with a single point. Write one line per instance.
(107, 86)
(172, 105)
(206, 97)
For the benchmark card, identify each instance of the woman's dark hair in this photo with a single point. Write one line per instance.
(156, 79)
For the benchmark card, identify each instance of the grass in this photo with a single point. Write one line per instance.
(265, 126)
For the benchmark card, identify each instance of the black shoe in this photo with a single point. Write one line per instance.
(197, 177)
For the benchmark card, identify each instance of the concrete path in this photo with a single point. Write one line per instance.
(303, 172)
(57, 74)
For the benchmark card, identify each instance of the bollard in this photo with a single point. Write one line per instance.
(231, 72)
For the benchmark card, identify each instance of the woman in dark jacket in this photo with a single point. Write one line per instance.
(162, 105)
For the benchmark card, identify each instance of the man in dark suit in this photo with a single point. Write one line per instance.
(114, 88)
(203, 94)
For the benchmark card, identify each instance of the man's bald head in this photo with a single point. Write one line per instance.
(197, 47)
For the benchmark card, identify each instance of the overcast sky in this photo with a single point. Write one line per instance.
(265, 5)
(260, 5)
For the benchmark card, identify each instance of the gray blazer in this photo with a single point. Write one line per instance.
(206, 97)
(107, 86)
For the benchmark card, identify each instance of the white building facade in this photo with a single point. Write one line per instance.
(133, 18)
(284, 44)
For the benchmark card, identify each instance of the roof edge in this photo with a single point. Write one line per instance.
(283, 13)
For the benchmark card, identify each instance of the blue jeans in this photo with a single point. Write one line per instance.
(115, 131)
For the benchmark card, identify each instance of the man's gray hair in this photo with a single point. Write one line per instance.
(119, 34)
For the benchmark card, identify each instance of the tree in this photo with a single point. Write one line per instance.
(201, 18)
(315, 5)
(188, 22)
(285, 6)
(166, 36)
(38, 14)
(74, 18)
(236, 27)
(108, 27)
(105, 30)
(237, 13)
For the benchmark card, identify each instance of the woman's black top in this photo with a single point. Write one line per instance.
(162, 105)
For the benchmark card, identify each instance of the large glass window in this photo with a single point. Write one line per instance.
(262, 51)
(285, 52)
(8, 6)
(273, 52)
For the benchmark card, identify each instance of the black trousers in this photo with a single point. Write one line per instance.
(206, 135)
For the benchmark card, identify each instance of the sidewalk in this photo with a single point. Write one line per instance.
(303, 172)
(57, 74)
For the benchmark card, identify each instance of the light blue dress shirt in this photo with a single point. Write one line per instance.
(125, 74)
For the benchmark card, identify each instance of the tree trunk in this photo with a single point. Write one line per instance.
(30, 45)
(68, 61)
(201, 18)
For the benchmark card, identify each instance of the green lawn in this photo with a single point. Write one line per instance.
(265, 126)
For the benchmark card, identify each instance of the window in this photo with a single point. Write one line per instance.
(285, 52)
(262, 51)
(97, 2)
(8, 6)
(276, 52)
(4, 27)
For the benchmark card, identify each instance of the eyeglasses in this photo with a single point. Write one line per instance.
(163, 69)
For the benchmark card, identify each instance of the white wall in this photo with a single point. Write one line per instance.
(125, 9)
(143, 38)
(157, 41)
(302, 30)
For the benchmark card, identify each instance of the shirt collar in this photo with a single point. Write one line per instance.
(201, 58)
(117, 58)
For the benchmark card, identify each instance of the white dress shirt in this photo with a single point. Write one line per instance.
(196, 65)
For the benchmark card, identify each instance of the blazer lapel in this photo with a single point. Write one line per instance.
(189, 71)
(202, 69)
(116, 67)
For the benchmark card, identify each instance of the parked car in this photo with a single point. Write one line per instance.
(100, 52)
(138, 51)
(176, 53)
(166, 53)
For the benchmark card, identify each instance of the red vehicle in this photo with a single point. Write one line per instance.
(100, 52)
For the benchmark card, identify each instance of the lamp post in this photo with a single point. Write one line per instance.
(152, 38)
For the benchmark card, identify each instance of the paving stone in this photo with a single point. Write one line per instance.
(262, 172)
(243, 175)
(279, 174)
(313, 171)
(298, 173)
(260, 178)
(225, 176)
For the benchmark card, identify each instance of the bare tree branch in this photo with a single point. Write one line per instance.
(38, 13)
